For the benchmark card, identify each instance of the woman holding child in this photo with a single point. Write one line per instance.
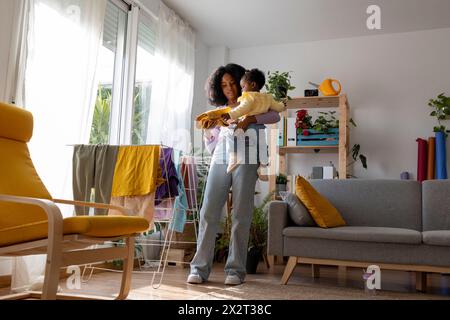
(224, 89)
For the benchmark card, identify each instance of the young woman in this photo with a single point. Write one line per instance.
(223, 88)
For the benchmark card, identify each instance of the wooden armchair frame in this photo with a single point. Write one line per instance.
(66, 250)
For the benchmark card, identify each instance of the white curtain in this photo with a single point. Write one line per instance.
(173, 86)
(17, 54)
(63, 42)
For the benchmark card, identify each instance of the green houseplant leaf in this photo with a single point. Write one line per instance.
(279, 84)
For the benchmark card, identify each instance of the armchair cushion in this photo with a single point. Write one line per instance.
(93, 226)
(15, 123)
(17, 172)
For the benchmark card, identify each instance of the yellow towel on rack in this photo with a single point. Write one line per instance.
(137, 171)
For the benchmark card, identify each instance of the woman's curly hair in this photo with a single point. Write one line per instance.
(214, 84)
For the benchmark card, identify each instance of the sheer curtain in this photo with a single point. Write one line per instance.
(171, 101)
(63, 42)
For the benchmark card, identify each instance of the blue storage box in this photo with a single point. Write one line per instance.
(318, 138)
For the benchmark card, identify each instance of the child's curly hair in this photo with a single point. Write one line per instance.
(214, 84)
(256, 76)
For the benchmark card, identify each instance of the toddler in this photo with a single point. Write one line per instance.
(252, 102)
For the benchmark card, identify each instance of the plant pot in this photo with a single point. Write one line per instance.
(280, 187)
(441, 161)
(254, 255)
(221, 255)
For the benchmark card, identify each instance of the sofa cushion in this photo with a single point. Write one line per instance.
(364, 234)
(297, 211)
(375, 203)
(437, 238)
(321, 210)
(436, 204)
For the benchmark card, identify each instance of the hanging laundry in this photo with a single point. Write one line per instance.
(181, 203)
(136, 178)
(190, 179)
(142, 206)
(169, 189)
(165, 209)
(137, 171)
(93, 167)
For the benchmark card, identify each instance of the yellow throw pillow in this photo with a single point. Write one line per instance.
(322, 211)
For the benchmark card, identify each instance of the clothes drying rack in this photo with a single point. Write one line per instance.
(167, 239)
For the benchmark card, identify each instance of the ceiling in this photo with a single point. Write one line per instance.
(247, 23)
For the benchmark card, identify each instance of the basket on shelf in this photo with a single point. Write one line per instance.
(318, 138)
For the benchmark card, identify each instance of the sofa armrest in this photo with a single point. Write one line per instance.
(278, 220)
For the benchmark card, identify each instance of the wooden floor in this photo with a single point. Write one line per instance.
(266, 285)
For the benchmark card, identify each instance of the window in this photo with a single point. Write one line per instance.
(143, 83)
(122, 45)
(110, 74)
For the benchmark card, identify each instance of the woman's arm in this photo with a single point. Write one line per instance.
(270, 117)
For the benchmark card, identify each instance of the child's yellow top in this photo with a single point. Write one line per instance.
(253, 103)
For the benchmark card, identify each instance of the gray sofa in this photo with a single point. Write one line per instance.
(398, 225)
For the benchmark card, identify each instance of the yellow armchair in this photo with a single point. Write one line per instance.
(31, 222)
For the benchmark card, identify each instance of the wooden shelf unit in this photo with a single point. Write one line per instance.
(279, 154)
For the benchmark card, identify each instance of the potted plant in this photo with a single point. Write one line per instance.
(279, 84)
(357, 156)
(441, 110)
(258, 235)
(281, 182)
(326, 121)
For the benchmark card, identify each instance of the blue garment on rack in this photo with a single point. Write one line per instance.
(181, 204)
(169, 188)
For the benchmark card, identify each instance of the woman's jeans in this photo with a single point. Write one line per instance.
(242, 181)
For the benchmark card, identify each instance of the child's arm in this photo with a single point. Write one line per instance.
(277, 106)
(244, 107)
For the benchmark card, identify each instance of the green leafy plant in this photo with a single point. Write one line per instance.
(258, 229)
(223, 240)
(102, 112)
(279, 84)
(281, 179)
(441, 110)
(326, 121)
(356, 149)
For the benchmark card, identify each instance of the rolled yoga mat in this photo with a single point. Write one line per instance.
(422, 160)
(441, 159)
(431, 158)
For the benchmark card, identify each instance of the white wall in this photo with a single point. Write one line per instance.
(388, 79)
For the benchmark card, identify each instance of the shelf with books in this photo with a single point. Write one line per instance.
(283, 143)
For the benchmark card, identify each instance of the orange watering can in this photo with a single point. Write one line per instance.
(327, 88)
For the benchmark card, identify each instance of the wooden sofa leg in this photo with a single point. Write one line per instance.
(421, 281)
(315, 270)
(292, 263)
(128, 264)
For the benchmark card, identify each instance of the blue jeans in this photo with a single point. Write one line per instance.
(242, 181)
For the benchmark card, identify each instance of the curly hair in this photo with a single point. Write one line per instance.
(256, 76)
(214, 84)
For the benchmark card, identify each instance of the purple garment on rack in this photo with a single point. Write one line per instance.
(169, 189)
